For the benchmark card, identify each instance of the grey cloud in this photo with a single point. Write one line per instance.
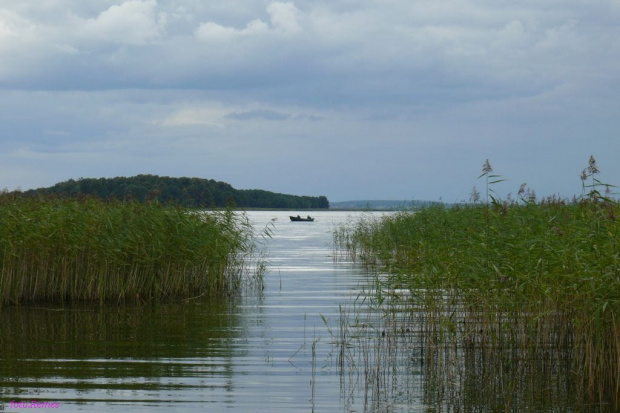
(259, 114)
(335, 53)
(417, 85)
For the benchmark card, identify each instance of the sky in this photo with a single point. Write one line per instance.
(364, 99)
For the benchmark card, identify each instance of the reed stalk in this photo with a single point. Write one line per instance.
(90, 250)
(506, 291)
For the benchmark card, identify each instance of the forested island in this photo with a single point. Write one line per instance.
(188, 192)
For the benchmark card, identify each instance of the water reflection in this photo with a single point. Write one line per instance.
(268, 352)
(401, 357)
(310, 341)
(118, 354)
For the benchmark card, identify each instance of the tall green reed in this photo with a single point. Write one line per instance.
(88, 249)
(538, 277)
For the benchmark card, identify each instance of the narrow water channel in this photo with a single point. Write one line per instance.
(267, 351)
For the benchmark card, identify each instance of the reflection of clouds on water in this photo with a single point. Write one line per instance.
(191, 355)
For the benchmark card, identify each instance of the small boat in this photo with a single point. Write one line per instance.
(298, 218)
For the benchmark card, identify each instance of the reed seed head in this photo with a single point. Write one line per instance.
(487, 168)
(474, 195)
(592, 168)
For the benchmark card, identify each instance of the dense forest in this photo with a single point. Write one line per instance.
(190, 192)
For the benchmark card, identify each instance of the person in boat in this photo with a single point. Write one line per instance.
(298, 217)
(308, 217)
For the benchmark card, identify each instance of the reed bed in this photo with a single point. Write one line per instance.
(73, 250)
(525, 287)
(420, 358)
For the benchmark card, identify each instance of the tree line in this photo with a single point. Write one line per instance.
(189, 192)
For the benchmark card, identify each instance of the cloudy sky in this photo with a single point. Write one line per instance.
(352, 99)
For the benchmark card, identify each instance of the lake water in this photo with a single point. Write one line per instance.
(268, 351)
(306, 342)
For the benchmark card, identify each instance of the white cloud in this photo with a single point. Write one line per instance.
(214, 31)
(14, 30)
(6, 28)
(26, 46)
(134, 22)
(284, 18)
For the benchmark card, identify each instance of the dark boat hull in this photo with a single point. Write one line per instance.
(300, 219)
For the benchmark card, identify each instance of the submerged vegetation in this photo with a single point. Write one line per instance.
(85, 249)
(508, 299)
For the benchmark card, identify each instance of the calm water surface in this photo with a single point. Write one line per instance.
(265, 352)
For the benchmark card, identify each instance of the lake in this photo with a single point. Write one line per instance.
(307, 341)
(266, 351)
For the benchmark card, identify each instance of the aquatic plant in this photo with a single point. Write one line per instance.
(88, 249)
(518, 281)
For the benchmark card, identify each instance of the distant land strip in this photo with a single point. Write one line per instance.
(381, 205)
(189, 192)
